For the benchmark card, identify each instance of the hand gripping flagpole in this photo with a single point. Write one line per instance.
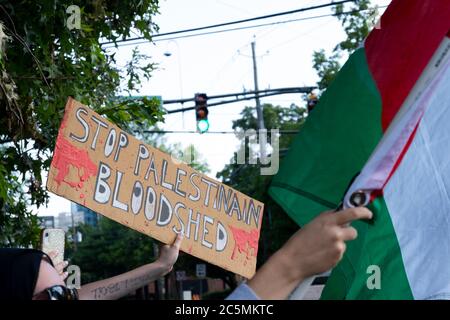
(302, 288)
(359, 198)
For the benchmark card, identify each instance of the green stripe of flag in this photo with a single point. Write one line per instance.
(333, 145)
(378, 246)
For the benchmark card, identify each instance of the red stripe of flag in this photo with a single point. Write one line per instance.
(410, 33)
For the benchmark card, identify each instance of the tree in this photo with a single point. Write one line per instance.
(42, 62)
(109, 249)
(357, 21)
(277, 227)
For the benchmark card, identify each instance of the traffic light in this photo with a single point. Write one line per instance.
(201, 112)
(312, 101)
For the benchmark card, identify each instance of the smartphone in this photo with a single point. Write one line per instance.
(53, 239)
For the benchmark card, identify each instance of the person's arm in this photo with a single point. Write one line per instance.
(119, 286)
(314, 249)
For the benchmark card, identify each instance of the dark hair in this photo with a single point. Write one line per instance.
(19, 270)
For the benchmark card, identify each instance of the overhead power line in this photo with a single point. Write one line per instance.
(209, 132)
(233, 22)
(242, 28)
(280, 90)
(243, 96)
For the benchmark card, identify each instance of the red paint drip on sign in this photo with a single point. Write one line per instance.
(245, 242)
(67, 155)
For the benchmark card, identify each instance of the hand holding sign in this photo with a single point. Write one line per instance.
(169, 254)
(103, 168)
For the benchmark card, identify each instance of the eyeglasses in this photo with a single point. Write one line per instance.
(57, 293)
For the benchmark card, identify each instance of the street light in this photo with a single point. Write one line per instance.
(168, 54)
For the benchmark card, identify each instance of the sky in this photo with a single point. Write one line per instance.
(221, 63)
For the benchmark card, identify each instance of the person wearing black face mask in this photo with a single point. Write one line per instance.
(21, 276)
(28, 274)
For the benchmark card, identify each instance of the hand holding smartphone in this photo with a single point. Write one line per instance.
(53, 241)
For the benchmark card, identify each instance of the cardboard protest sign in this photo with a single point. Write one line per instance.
(101, 167)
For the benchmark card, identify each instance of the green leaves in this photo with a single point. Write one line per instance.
(129, 113)
(326, 67)
(137, 68)
(277, 226)
(357, 25)
(44, 63)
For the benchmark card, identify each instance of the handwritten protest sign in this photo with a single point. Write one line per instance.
(101, 167)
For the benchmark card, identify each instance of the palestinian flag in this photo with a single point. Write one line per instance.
(390, 103)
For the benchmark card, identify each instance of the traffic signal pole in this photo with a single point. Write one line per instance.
(259, 111)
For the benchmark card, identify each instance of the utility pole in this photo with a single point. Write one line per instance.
(259, 112)
(74, 232)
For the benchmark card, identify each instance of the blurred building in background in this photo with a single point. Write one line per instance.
(47, 221)
(86, 215)
(69, 221)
